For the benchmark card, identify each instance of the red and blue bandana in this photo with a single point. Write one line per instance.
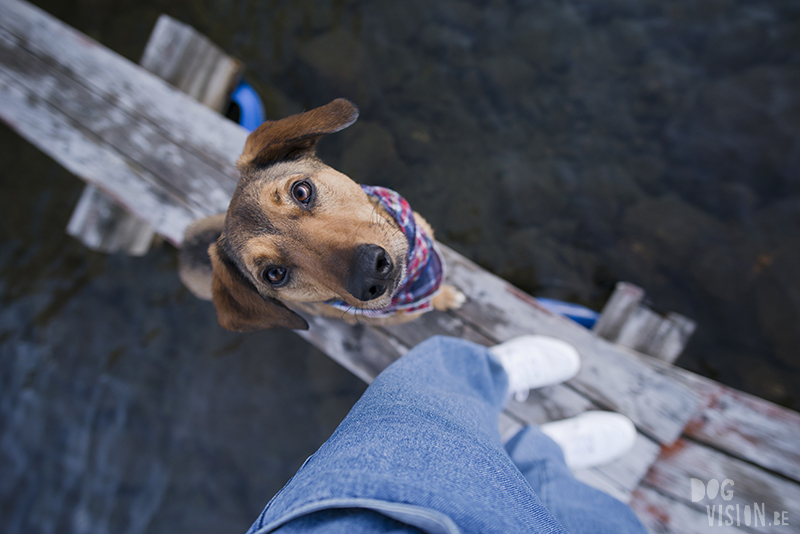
(424, 265)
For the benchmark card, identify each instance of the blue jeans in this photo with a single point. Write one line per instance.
(420, 451)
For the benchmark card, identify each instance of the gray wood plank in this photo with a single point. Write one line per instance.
(663, 515)
(362, 350)
(131, 88)
(188, 60)
(620, 306)
(39, 84)
(746, 427)
(101, 224)
(741, 424)
(192, 63)
(752, 486)
(626, 321)
(83, 154)
(436, 323)
(613, 379)
(552, 403)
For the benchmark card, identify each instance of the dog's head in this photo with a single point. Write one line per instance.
(298, 230)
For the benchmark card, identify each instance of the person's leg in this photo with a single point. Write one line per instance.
(580, 508)
(424, 434)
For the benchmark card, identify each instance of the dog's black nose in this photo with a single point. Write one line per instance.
(370, 272)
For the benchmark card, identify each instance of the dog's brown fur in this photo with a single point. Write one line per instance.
(267, 226)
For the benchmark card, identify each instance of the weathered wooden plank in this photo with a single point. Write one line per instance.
(746, 427)
(657, 404)
(193, 182)
(100, 224)
(752, 486)
(623, 302)
(192, 63)
(436, 324)
(362, 350)
(178, 117)
(188, 60)
(80, 152)
(672, 338)
(648, 332)
(626, 321)
(663, 515)
(138, 141)
(740, 424)
(552, 403)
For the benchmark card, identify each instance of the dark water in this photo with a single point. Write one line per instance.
(562, 145)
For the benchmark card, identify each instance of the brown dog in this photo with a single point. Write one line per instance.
(300, 236)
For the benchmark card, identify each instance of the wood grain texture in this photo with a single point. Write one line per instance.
(677, 465)
(72, 99)
(190, 62)
(622, 303)
(362, 350)
(88, 157)
(178, 117)
(626, 321)
(746, 427)
(741, 424)
(610, 377)
(101, 224)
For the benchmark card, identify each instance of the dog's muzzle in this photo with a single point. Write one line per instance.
(369, 277)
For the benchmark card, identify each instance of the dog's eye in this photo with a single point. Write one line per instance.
(302, 192)
(274, 275)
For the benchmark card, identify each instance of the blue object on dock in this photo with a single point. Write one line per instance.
(580, 314)
(251, 110)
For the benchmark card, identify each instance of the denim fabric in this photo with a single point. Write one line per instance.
(421, 447)
(578, 507)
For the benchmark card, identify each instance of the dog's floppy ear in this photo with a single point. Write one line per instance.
(296, 135)
(239, 305)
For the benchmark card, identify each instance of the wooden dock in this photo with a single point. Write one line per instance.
(168, 159)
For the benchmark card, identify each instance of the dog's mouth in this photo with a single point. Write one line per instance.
(374, 276)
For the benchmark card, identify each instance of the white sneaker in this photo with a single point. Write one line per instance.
(536, 361)
(592, 438)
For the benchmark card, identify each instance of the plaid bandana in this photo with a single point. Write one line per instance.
(424, 265)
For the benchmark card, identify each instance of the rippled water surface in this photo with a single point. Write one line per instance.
(563, 145)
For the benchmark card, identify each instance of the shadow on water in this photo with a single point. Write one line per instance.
(563, 145)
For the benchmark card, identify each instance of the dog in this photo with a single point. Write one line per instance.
(301, 237)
